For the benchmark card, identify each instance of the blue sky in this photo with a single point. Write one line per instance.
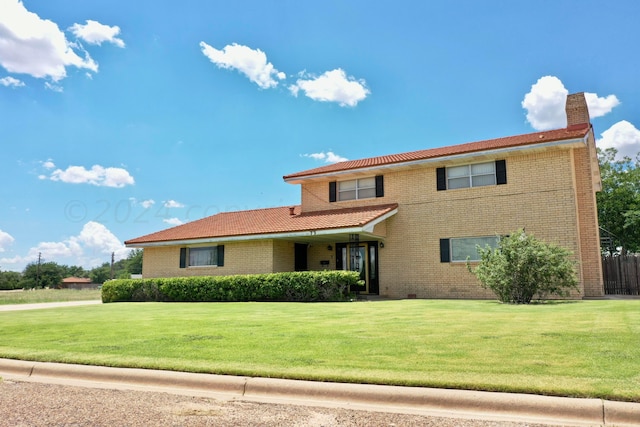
(121, 118)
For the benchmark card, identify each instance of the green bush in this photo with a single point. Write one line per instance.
(523, 267)
(294, 286)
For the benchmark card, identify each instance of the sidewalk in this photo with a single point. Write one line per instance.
(409, 400)
(20, 307)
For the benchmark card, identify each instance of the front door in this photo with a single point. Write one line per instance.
(363, 258)
(300, 257)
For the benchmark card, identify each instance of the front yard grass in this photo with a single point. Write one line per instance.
(573, 348)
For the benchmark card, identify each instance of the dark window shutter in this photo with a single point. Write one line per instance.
(332, 191)
(441, 178)
(501, 172)
(220, 255)
(379, 186)
(183, 257)
(445, 256)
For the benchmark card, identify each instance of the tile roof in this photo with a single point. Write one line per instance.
(76, 280)
(267, 221)
(575, 131)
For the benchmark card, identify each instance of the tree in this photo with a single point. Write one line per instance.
(522, 267)
(101, 274)
(9, 280)
(619, 200)
(73, 271)
(133, 263)
(44, 275)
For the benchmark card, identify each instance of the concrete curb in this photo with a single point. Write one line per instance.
(479, 404)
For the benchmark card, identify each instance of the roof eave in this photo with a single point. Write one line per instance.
(440, 159)
(365, 228)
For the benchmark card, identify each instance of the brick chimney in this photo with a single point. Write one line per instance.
(576, 109)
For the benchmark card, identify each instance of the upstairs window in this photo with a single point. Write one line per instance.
(477, 175)
(473, 175)
(356, 189)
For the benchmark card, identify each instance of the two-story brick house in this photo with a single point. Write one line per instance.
(409, 221)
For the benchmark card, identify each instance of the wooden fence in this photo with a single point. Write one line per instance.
(621, 275)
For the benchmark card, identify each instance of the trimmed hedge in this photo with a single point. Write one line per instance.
(293, 286)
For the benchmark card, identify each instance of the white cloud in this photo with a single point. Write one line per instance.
(173, 221)
(48, 164)
(545, 104)
(546, 101)
(92, 247)
(250, 62)
(35, 46)
(5, 240)
(97, 175)
(53, 87)
(598, 106)
(11, 82)
(147, 203)
(94, 32)
(332, 86)
(173, 204)
(328, 157)
(624, 137)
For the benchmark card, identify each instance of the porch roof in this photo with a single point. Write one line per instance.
(276, 223)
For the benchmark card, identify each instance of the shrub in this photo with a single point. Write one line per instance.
(294, 286)
(522, 267)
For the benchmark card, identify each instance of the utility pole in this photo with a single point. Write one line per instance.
(38, 270)
(113, 254)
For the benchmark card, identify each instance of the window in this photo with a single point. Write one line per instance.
(473, 175)
(356, 189)
(202, 257)
(459, 249)
(477, 175)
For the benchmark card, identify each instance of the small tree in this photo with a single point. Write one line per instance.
(522, 267)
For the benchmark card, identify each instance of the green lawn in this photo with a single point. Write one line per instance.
(580, 348)
(47, 295)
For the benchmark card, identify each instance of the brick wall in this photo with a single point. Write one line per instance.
(540, 197)
(587, 181)
(250, 257)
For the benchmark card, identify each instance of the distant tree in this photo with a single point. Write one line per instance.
(101, 274)
(45, 275)
(73, 271)
(10, 280)
(619, 200)
(133, 263)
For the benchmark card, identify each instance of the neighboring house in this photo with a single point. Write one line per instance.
(407, 222)
(77, 283)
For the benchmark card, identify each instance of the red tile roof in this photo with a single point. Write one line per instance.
(575, 131)
(76, 280)
(267, 221)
